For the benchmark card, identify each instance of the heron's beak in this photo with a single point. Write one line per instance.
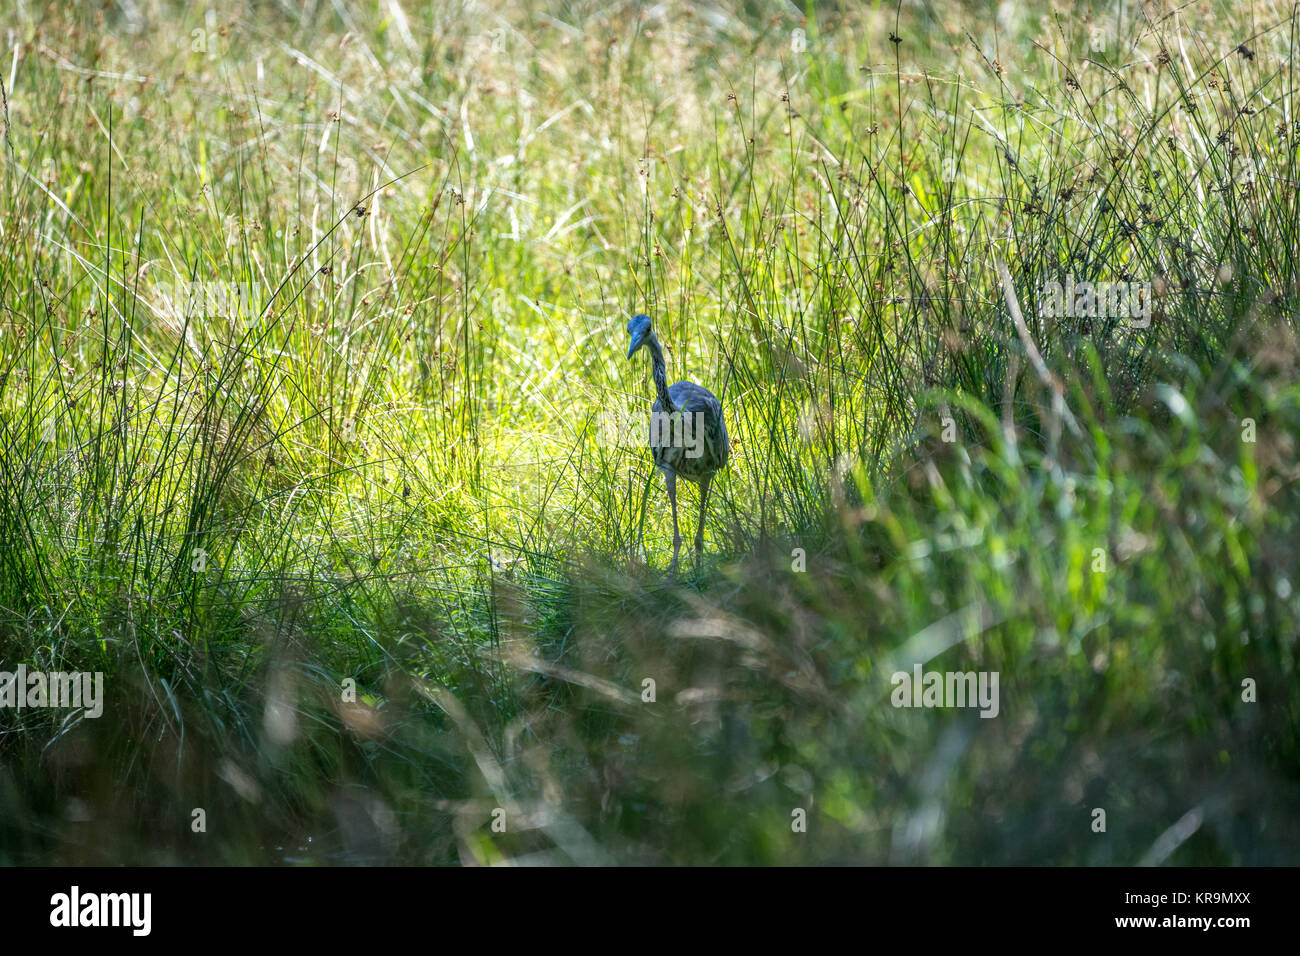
(636, 344)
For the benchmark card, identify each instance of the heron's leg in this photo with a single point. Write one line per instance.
(699, 529)
(670, 479)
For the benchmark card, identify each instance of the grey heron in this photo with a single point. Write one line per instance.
(688, 437)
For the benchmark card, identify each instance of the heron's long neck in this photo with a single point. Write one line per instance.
(660, 374)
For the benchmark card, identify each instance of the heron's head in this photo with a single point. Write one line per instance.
(639, 329)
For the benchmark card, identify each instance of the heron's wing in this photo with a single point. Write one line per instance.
(695, 398)
(699, 404)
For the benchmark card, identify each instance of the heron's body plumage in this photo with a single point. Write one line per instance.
(701, 406)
